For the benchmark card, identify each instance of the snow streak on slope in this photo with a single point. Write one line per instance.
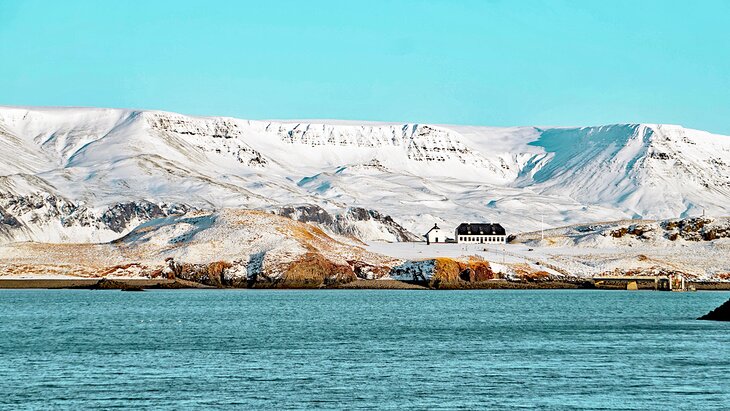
(419, 174)
(654, 171)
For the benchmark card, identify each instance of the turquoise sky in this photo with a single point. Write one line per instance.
(485, 62)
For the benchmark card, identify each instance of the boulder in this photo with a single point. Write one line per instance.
(721, 313)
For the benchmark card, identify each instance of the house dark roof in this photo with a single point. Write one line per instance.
(435, 227)
(480, 229)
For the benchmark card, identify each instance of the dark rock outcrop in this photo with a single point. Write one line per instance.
(688, 229)
(210, 274)
(7, 219)
(43, 209)
(118, 216)
(107, 284)
(344, 223)
(220, 135)
(696, 229)
(307, 213)
(721, 313)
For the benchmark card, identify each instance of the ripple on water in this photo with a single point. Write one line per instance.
(362, 349)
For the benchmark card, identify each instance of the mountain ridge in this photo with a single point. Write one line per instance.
(418, 174)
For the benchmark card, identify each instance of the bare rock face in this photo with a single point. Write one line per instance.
(307, 213)
(423, 143)
(8, 219)
(693, 229)
(346, 223)
(311, 270)
(21, 215)
(721, 313)
(118, 216)
(444, 272)
(7, 223)
(219, 135)
(690, 229)
(210, 274)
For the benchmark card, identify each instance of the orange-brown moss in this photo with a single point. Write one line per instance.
(313, 270)
(450, 271)
(527, 273)
(310, 237)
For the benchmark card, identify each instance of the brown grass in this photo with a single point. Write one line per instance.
(450, 271)
(312, 270)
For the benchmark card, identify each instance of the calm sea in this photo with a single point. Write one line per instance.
(247, 349)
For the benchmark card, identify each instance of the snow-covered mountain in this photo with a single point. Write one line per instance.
(85, 174)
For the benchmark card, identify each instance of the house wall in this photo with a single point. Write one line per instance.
(437, 236)
(481, 239)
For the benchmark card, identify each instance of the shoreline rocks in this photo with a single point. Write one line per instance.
(721, 313)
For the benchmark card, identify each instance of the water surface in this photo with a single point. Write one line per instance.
(192, 349)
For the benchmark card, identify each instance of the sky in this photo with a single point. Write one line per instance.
(486, 62)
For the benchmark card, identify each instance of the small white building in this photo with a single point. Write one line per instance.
(480, 233)
(435, 235)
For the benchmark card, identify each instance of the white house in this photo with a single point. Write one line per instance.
(480, 233)
(435, 235)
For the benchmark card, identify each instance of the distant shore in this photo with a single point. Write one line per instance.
(97, 283)
(137, 283)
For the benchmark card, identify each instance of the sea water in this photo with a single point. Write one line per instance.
(337, 349)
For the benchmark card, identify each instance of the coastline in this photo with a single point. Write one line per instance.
(149, 284)
(96, 283)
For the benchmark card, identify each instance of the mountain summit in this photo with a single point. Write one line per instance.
(88, 174)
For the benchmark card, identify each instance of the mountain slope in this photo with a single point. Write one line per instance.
(226, 247)
(74, 159)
